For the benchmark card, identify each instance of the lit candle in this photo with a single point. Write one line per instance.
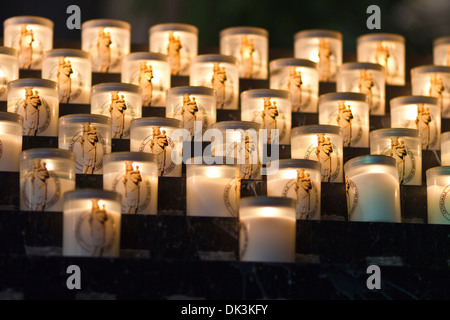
(71, 69)
(107, 40)
(212, 190)
(272, 109)
(298, 76)
(421, 113)
(350, 111)
(45, 175)
(9, 69)
(323, 47)
(151, 72)
(119, 101)
(155, 135)
(135, 176)
(31, 36)
(177, 40)
(89, 136)
(267, 229)
(298, 179)
(36, 100)
(386, 49)
(322, 143)
(441, 51)
(10, 141)
(373, 190)
(219, 72)
(445, 148)
(250, 46)
(438, 185)
(91, 223)
(367, 78)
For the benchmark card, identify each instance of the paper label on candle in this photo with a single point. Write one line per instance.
(35, 112)
(173, 51)
(443, 203)
(102, 59)
(70, 81)
(324, 60)
(366, 85)
(271, 117)
(301, 92)
(386, 58)
(3, 82)
(350, 123)
(152, 89)
(189, 111)
(425, 123)
(328, 155)
(247, 56)
(218, 81)
(352, 196)
(246, 151)
(231, 196)
(437, 89)
(30, 47)
(95, 230)
(406, 162)
(119, 110)
(160, 144)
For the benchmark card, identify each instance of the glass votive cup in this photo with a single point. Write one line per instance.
(272, 109)
(421, 113)
(441, 51)
(373, 189)
(45, 175)
(72, 70)
(267, 229)
(239, 140)
(160, 137)
(323, 47)
(387, 49)
(445, 148)
(438, 185)
(10, 141)
(91, 223)
(194, 106)
(219, 72)
(367, 78)
(119, 101)
(36, 100)
(107, 40)
(9, 69)
(31, 36)
(322, 143)
(405, 146)
(89, 136)
(151, 72)
(350, 111)
(212, 190)
(135, 176)
(298, 76)
(298, 179)
(433, 81)
(179, 41)
(250, 45)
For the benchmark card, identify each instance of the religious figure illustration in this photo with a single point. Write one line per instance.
(26, 47)
(158, 145)
(97, 222)
(39, 181)
(437, 89)
(189, 112)
(323, 152)
(324, 60)
(295, 88)
(218, 80)
(89, 140)
(173, 51)
(248, 165)
(117, 112)
(31, 105)
(246, 52)
(269, 117)
(103, 50)
(63, 78)
(145, 82)
(365, 86)
(382, 55)
(303, 188)
(132, 185)
(448, 56)
(399, 153)
(344, 120)
(423, 121)
(237, 189)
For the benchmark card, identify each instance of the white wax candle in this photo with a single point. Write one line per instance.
(10, 148)
(438, 204)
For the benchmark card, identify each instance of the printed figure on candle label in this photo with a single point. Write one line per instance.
(35, 112)
(437, 89)
(404, 158)
(117, 112)
(246, 53)
(324, 59)
(103, 59)
(145, 82)
(97, 221)
(269, 117)
(26, 47)
(245, 149)
(423, 121)
(344, 120)
(89, 141)
(303, 188)
(443, 203)
(365, 86)
(173, 51)
(158, 146)
(382, 56)
(295, 88)
(189, 112)
(232, 194)
(328, 155)
(39, 181)
(132, 181)
(218, 80)
(63, 78)
(352, 196)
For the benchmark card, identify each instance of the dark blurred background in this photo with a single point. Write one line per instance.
(420, 21)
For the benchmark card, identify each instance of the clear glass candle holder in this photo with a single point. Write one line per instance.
(72, 70)
(135, 176)
(323, 47)
(45, 175)
(119, 101)
(272, 109)
(212, 190)
(36, 100)
(367, 78)
(151, 72)
(386, 49)
(89, 136)
(194, 106)
(421, 113)
(10, 141)
(239, 140)
(250, 45)
(445, 148)
(219, 72)
(91, 223)
(267, 229)
(178, 41)
(298, 76)
(438, 185)
(158, 136)
(9, 69)
(298, 179)
(31, 36)
(322, 143)
(350, 111)
(405, 146)
(373, 189)
(108, 41)
(433, 81)
(441, 51)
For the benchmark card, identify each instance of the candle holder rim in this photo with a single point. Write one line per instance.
(190, 90)
(250, 30)
(438, 170)
(156, 121)
(267, 201)
(173, 27)
(67, 53)
(91, 193)
(398, 101)
(377, 159)
(35, 153)
(318, 33)
(17, 20)
(441, 40)
(340, 96)
(32, 82)
(316, 129)
(115, 86)
(106, 23)
(265, 93)
(129, 156)
(218, 58)
(236, 124)
(381, 36)
(9, 51)
(292, 62)
(430, 68)
(361, 66)
(84, 117)
(10, 117)
(394, 132)
(143, 55)
(226, 161)
(298, 163)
